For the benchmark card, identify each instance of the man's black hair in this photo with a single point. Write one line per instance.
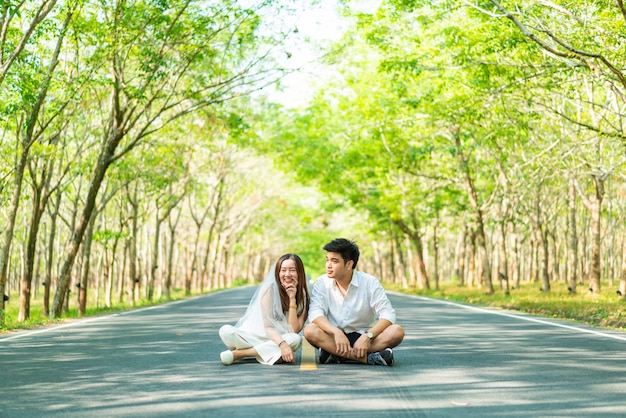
(348, 249)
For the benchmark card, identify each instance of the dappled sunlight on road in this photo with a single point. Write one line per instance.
(164, 361)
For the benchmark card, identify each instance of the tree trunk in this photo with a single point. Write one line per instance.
(111, 278)
(481, 238)
(169, 206)
(225, 261)
(393, 268)
(471, 262)
(622, 282)
(211, 248)
(28, 139)
(170, 256)
(214, 271)
(595, 209)
(104, 161)
(416, 240)
(9, 228)
(596, 236)
(460, 257)
(219, 277)
(554, 271)
(545, 255)
(155, 256)
(516, 265)
(503, 216)
(402, 276)
(411, 263)
(541, 236)
(121, 278)
(436, 254)
(84, 280)
(133, 276)
(503, 269)
(29, 263)
(39, 201)
(50, 257)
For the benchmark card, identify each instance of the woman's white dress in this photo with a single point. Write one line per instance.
(264, 316)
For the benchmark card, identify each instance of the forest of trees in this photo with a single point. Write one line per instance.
(474, 141)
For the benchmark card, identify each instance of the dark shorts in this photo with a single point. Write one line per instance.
(352, 337)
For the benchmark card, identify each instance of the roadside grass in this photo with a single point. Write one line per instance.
(604, 310)
(38, 319)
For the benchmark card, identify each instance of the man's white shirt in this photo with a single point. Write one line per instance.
(364, 303)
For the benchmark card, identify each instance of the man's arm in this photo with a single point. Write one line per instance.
(362, 345)
(342, 344)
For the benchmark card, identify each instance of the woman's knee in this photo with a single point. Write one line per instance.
(294, 341)
(228, 336)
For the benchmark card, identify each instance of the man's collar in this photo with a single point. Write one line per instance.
(355, 278)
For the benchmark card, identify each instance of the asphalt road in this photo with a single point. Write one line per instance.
(456, 361)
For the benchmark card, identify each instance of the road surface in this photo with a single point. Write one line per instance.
(456, 361)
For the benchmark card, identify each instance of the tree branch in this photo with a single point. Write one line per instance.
(570, 52)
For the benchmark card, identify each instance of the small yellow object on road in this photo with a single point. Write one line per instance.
(307, 361)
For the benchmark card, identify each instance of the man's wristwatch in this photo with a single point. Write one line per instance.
(369, 334)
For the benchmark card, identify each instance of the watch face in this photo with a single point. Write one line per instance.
(370, 335)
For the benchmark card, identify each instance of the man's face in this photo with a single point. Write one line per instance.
(336, 268)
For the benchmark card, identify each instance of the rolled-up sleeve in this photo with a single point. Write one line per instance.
(319, 299)
(380, 303)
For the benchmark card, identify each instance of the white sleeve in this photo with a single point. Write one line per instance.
(381, 304)
(319, 300)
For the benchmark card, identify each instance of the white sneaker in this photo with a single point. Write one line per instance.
(227, 357)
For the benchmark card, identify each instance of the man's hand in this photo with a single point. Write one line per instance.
(342, 343)
(361, 346)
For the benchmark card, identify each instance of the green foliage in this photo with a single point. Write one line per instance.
(37, 318)
(420, 84)
(105, 235)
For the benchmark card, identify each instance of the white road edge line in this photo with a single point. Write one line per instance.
(79, 321)
(445, 302)
(520, 316)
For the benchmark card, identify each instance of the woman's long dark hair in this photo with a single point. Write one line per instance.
(302, 290)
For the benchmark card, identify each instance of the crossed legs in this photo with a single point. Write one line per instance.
(389, 338)
(242, 345)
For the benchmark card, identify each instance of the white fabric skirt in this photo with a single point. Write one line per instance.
(267, 350)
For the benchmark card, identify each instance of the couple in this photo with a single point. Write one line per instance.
(350, 315)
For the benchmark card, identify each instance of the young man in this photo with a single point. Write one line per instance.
(350, 316)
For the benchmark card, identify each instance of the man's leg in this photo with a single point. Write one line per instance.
(389, 338)
(319, 338)
(324, 341)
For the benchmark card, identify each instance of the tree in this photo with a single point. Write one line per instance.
(191, 58)
(14, 17)
(30, 128)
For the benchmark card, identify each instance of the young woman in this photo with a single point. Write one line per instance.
(276, 314)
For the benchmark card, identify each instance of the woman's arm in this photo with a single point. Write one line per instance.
(267, 304)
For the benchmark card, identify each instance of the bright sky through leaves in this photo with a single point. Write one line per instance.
(321, 24)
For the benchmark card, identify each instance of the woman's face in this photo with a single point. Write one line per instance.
(288, 274)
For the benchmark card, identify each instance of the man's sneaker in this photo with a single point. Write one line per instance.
(381, 358)
(327, 358)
